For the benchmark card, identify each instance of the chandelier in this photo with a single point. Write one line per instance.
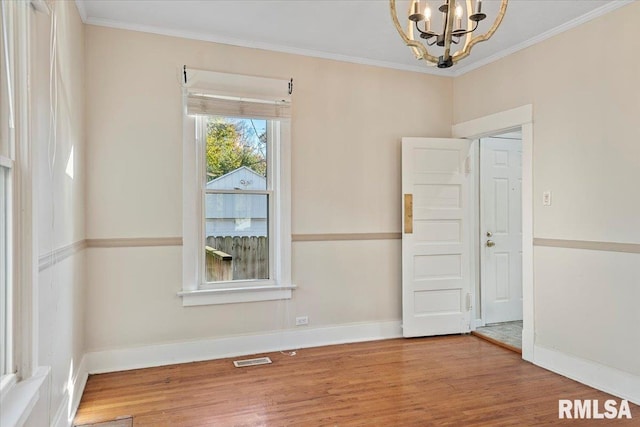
(452, 30)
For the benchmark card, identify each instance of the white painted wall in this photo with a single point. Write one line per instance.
(347, 123)
(586, 153)
(59, 209)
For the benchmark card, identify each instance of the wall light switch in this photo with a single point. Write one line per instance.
(546, 198)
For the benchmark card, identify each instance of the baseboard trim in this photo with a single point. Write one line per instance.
(80, 381)
(613, 381)
(61, 417)
(67, 412)
(219, 348)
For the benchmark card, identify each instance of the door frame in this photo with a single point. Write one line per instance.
(521, 117)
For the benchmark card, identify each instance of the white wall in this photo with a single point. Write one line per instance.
(59, 209)
(586, 104)
(347, 123)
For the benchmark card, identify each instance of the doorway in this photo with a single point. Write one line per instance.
(500, 241)
(494, 124)
(466, 304)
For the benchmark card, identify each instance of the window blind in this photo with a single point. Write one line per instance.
(233, 95)
(242, 108)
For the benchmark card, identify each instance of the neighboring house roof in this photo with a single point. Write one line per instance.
(242, 178)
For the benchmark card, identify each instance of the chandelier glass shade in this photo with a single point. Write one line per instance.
(450, 30)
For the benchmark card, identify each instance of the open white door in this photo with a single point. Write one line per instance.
(436, 276)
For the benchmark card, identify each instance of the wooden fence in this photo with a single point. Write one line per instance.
(249, 258)
(219, 265)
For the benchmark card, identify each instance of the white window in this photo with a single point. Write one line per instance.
(6, 299)
(236, 169)
(18, 355)
(7, 128)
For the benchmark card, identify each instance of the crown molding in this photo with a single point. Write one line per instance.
(82, 10)
(418, 68)
(595, 13)
(264, 46)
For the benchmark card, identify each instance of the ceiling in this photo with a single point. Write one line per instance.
(350, 30)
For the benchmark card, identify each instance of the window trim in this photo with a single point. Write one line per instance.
(19, 390)
(7, 379)
(279, 286)
(10, 54)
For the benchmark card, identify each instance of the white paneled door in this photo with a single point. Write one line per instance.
(501, 229)
(436, 276)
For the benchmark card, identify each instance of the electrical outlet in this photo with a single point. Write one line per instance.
(546, 198)
(302, 320)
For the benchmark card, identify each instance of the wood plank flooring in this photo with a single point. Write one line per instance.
(443, 381)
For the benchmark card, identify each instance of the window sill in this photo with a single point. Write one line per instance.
(21, 397)
(235, 295)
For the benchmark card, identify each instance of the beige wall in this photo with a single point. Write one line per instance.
(348, 121)
(60, 205)
(586, 103)
(586, 106)
(346, 178)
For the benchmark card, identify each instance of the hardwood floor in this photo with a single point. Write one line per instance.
(444, 381)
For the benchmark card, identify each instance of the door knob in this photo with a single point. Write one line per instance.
(490, 243)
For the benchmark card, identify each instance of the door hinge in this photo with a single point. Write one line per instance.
(469, 306)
